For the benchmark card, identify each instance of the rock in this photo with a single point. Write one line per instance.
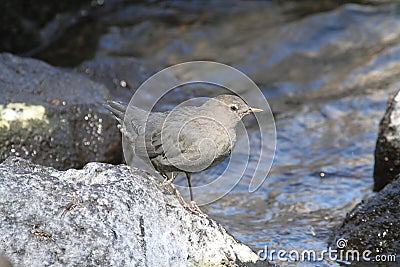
(387, 150)
(54, 117)
(373, 225)
(121, 75)
(24, 24)
(103, 215)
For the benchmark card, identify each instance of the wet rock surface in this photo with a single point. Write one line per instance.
(387, 151)
(373, 225)
(54, 117)
(103, 215)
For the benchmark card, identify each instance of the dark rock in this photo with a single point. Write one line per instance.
(373, 224)
(387, 151)
(54, 117)
(103, 215)
(121, 75)
(22, 20)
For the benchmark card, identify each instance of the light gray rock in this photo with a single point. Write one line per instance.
(103, 215)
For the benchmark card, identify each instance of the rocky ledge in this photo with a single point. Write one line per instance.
(104, 215)
(372, 227)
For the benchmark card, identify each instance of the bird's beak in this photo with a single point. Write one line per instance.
(254, 110)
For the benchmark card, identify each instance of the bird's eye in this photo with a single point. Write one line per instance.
(234, 108)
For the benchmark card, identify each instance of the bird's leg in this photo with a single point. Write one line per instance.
(188, 177)
(192, 207)
(168, 180)
(164, 175)
(177, 194)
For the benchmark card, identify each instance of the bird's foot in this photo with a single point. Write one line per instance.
(171, 188)
(168, 181)
(193, 208)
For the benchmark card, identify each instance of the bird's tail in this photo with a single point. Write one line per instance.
(135, 117)
(118, 109)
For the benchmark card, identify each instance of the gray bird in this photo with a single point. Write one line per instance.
(186, 139)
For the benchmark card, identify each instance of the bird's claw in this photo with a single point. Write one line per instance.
(167, 182)
(193, 208)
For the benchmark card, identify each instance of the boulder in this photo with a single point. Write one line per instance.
(387, 150)
(54, 117)
(104, 215)
(372, 225)
(121, 75)
(21, 28)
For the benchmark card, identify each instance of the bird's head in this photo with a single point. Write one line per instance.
(231, 107)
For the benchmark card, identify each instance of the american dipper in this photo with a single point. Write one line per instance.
(186, 139)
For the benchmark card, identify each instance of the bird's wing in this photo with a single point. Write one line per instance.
(148, 143)
(178, 138)
(184, 140)
(137, 125)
